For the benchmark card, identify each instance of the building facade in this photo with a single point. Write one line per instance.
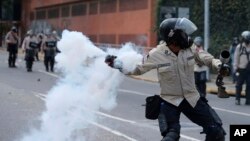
(103, 21)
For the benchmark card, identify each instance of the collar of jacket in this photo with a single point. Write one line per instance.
(164, 48)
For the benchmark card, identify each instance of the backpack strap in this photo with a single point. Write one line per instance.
(247, 53)
(243, 50)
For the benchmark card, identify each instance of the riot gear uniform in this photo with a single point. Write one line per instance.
(176, 77)
(200, 70)
(176, 31)
(49, 48)
(242, 67)
(30, 46)
(12, 46)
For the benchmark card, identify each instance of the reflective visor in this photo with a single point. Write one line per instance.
(185, 25)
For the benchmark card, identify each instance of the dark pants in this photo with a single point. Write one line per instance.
(29, 58)
(200, 82)
(49, 62)
(37, 56)
(12, 49)
(243, 77)
(202, 114)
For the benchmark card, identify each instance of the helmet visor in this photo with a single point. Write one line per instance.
(185, 25)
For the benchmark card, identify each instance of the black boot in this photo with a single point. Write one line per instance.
(9, 61)
(247, 102)
(237, 101)
(14, 63)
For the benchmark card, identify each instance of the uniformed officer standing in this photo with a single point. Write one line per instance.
(12, 46)
(174, 60)
(242, 67)
(49, 49)
(57, 38)
(30, 47)
(200, 70)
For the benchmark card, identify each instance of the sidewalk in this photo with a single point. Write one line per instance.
(211, 86)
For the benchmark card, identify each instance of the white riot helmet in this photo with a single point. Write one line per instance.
(246, 36)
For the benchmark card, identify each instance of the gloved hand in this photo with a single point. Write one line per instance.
(113, 62)
(110, 60)
(224, 70)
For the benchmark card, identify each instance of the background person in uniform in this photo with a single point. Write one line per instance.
(242, 67)
(174, 60)
(12, 46)
(30, 47)
(49, 48)
(200, 70)
(40, 40)
(232, 48)
(57, 38)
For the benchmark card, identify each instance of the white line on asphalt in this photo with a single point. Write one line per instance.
(51, 74)
(113, 131)
(234, 112)
(220, 109)
(43, 96)
(189, 138)
(133, 92)
(118, 118)
(40, 95)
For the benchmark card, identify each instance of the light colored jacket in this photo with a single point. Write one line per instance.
(198, 67)
(240, 61)
(27, 40)
(176, 73)
(11, 38)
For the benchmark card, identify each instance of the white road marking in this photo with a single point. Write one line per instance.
(189, 138)
(113, 131)
(51, 74)
(219, 109)
(133, 92)
(43, 97)
(40, 95)
(121, 119)
(117, 118)
(234, 112)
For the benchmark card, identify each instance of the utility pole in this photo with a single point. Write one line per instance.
(206, 30)
(206, 25)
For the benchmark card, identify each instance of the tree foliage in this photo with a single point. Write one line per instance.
(228, 19)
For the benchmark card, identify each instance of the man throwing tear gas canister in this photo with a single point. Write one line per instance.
(174, 59)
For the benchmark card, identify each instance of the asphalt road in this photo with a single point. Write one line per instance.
(23, 97)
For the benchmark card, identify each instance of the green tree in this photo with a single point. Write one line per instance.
(228, 18)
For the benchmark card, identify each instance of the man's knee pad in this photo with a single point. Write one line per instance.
(215, 133)
(171, 136)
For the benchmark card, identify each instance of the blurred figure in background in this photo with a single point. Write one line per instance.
(242, 67)
(12, 46)
(57, 38)
(200, 70)
(30, 47)
(49, 49)
(40, 40)
(232, 51)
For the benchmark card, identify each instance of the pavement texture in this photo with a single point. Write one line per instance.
(211, 86)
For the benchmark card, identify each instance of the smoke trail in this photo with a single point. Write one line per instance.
(87, 85)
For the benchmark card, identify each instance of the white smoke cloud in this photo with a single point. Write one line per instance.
(87, 85)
